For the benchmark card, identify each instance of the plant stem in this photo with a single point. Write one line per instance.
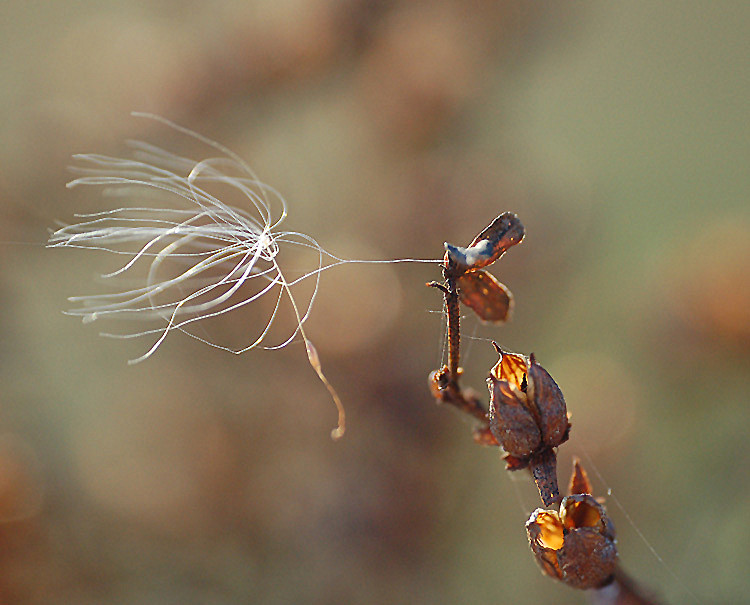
(454, 328)
(543, 467)
(622, 591)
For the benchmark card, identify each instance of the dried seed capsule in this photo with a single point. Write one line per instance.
(511, 367)
(544, 393)
(577, 545)
(511, 422)
(528, 417)
(527, 408)
(502, 233)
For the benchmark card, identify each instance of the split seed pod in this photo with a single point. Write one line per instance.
(528, 418)
(477, 288)
(502, 233)
(527, 410)
(577, 545)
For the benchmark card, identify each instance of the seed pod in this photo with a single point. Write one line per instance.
(527, 409)
(511, 367)
(528, 418)
(511, 422)
(577, 545)
(502, 233)
(544, 393)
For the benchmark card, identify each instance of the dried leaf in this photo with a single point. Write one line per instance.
(486, 296)
(579, 480)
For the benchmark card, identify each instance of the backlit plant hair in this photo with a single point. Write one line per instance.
(227, 257)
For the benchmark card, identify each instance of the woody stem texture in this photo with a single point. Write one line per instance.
(454, 329)
(543, 467)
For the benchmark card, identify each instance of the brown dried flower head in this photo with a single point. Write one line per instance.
(527, 410)
(576, 545)
(477, 288)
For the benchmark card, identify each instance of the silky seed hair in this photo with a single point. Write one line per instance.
(218, 257)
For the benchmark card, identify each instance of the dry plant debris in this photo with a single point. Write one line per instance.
(572, 538)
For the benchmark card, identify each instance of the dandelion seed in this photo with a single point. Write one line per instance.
(201, 256)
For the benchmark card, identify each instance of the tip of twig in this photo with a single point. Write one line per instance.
(438, 285)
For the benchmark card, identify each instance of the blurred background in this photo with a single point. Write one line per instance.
(617, 131)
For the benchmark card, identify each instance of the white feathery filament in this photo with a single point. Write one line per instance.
(220, 257)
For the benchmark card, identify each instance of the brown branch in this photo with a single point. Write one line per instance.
(622, 591)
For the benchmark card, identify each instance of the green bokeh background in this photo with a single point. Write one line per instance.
(617, 131)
